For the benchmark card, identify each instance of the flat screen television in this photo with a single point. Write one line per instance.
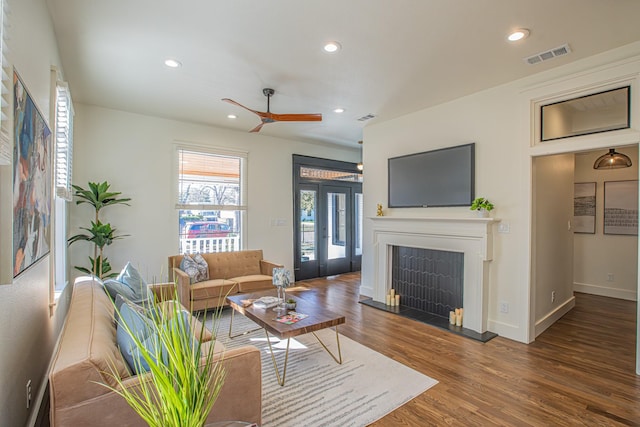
(444, 177)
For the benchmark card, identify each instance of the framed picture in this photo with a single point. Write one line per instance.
(584, 207)
(621, 207)
(32, 177)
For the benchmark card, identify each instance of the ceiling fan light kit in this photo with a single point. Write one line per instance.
(269, 117)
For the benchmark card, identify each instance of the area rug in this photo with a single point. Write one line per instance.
(320, 392)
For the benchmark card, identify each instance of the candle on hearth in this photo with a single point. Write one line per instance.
(397, 299)
(458, 320)
(457, 311)
(388, 300)
(392, 292)
(393, 300)
(452, 317)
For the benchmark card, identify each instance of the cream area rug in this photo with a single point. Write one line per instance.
(320, 392)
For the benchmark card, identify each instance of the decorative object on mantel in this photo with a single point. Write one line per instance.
(282, 280)
(612, 160)
(392, 299)
(379, 210)
(482, 206)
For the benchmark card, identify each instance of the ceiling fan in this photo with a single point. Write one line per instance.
(269, 117)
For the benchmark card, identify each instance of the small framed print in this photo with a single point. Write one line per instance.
(621, 207)
(584, 207)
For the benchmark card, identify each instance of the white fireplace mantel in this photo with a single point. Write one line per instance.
(471, 236)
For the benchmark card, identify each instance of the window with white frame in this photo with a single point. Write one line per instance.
(63, 130)
(211, 200)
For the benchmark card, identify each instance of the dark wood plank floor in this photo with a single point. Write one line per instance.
(581, 371)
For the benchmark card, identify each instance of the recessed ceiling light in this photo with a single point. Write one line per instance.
(332, 47)
(232, 116)
(338, 110)
(519, 34)
(172, 63)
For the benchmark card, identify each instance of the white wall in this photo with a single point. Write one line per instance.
(552, 239)
(135, 154)
(28, 332)
(597, 255)
(499, 121)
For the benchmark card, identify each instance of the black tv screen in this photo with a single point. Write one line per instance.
(442, 177)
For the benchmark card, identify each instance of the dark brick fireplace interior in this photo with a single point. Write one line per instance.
(430, 284)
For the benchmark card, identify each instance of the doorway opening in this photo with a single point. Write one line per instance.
(328, 217)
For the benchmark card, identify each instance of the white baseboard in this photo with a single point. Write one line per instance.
(506, 330)
(605, 291)
(555, 315)
(366, 291)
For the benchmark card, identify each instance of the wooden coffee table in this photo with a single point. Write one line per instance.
(318, 318)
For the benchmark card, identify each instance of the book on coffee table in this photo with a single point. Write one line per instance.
(291, 317)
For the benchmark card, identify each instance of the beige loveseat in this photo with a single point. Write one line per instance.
(229, 273)
(87, 350)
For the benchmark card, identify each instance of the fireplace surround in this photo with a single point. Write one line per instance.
(472, 237)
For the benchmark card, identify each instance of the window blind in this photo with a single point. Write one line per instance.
(64, 141)
(6, 151)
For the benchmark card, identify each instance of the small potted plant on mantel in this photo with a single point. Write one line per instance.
(482, 206)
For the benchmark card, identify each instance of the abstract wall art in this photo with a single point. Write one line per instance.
(32, 177)
(621, 207)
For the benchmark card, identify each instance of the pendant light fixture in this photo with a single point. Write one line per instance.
(612, 160)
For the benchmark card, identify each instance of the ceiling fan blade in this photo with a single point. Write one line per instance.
(231, 101)
(257, 128)
(296, 117)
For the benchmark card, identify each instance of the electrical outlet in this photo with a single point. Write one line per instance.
(503, 227)
(553, 296)
(610, 277)
(504, 307)
(28, 394)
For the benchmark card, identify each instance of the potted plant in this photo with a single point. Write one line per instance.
(482, 206)
(100, 234)
(184, 376)
(290, 304)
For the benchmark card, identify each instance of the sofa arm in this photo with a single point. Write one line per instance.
(183, 282)
(241, 394)
(163, 291)
(266, 267)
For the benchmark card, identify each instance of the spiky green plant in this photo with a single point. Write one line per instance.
(101, 235)
(185, 377)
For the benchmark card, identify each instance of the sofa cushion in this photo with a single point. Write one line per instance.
(253, 282)
(114, 288)
(224, 265)
(132, 278)
(213, 289)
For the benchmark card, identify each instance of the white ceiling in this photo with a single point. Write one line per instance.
(398, 56)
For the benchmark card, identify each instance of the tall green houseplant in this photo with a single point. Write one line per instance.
(100, 234)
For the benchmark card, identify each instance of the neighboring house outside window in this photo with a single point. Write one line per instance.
(211, 199)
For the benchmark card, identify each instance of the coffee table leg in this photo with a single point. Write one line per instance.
(337, 359)
(241, 333)
(273, 358)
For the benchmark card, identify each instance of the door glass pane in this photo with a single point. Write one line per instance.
(336, 225)
(308, 225)
(358, 224)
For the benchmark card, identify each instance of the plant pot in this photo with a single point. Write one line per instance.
(482, 213)
(290, 305)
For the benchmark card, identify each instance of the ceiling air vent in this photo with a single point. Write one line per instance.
(367, 117)
(548, 54)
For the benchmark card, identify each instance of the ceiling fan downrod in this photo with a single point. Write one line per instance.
(268, 92)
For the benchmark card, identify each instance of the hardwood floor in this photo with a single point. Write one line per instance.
(581, 371)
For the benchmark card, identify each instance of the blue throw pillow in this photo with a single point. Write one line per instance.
(140, 326)
(132, 278)
(115, 288)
